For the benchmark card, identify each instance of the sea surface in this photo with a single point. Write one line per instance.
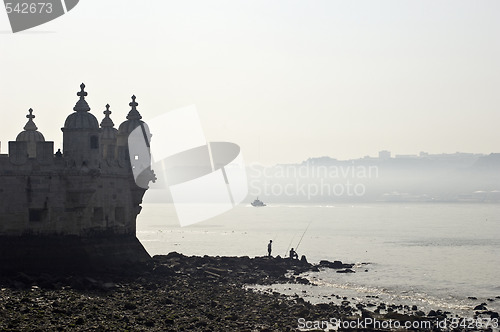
(432, 255)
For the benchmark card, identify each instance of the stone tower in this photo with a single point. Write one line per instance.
(77, 208)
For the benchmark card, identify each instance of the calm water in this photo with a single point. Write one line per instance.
(433, 255)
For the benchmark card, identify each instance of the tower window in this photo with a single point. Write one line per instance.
(98, 214)
(94, 142)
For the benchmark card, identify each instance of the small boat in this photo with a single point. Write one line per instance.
(258, 203)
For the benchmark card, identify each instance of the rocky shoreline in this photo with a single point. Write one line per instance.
(179, 293)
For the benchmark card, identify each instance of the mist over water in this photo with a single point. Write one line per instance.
(431, 254)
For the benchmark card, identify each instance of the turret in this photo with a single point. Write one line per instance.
(131, 130)
(30, 135)
(108, 136)
(81, 134)
(133, 121)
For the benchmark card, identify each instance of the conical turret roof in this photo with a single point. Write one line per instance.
(107, 125)
(133, 119)
(81, 119)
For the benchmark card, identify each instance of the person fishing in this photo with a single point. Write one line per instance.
(293, 254)
(269, 248)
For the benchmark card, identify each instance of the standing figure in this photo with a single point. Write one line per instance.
(269, 248)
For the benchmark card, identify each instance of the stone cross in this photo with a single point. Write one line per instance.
(133, 104)
(107, 112)
(82, 94)
(30, 116)
(30, 125)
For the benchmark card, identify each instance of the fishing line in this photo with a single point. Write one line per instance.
(298, 244)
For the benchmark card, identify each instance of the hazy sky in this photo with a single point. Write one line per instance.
(303, 78)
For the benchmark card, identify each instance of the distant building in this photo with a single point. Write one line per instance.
(423, 154)
(384, 155)
(406, 156)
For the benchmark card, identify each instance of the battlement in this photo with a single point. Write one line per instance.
(18, 155)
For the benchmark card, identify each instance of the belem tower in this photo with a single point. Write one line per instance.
(77, 206)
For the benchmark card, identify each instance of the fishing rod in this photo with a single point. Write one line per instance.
(286, 253)
(298, 244)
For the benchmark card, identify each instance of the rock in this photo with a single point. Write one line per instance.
(175, 255)
(331, 265)
(211, 274)
(302, 281)
(472, 298)
(345, 271)
(163, 270)
(130, 306)
(399, 317)
(414, 308)
(166, 301)
(158, 298)
(323, 306)
(432, 313)
(232, 316)
(366, 314)
(481, 306)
